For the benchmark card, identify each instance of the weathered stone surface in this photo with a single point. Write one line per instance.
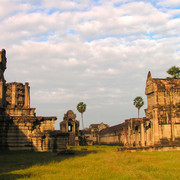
(71, 126)
(20, 128)
(91, 136)
(162, 122)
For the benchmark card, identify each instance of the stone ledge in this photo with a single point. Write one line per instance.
(149, 148)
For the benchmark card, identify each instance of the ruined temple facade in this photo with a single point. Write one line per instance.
(160, 127)
(71, 126)
(18, 99)
(91, 135)
(20, 128)
(163, 110)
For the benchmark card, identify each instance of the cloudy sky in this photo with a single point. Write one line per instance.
(95, 51)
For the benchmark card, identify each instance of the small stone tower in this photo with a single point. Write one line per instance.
(70, 125)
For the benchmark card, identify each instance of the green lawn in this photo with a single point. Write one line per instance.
(98, 162)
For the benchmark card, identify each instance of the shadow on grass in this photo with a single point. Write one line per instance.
(20, 160)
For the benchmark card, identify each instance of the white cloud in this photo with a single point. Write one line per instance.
(170, 3)
(9, 8)
(96, 52)
(62, 5)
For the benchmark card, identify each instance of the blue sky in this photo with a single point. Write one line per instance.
(95, 51)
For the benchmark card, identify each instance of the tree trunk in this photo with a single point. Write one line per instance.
(138, 111)
(82, 120)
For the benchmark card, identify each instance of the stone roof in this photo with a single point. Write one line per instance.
(87, 131)
(112, 129)
(167, 83)
(69, 115)
(96, 125)
(164, 84)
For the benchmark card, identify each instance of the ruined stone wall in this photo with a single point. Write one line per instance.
(50, 141)
(15, 98)
(133, 132)
(112, 135)
(4, 125)
(110, 139)
(18, 131)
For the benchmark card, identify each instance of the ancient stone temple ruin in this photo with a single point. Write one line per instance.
(91, 135)
(160, 127)
(71, 126)
(20, 128)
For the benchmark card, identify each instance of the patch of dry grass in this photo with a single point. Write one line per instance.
(98, 162)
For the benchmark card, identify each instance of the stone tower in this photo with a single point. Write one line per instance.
(2, 80)
(71, 126)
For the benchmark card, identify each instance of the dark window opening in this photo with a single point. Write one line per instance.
(136, 128)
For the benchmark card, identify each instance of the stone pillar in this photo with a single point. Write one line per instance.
(66, 129)
(1, 94)
(148, 140)
(125, 136)
(152, 132)
(74, 128)
(129, 134)
(172, 130)
(27, 96)
(156, 126)
(136, 138)
(13, 101)
(142, 135)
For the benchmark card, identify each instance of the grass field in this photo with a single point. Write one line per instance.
(97, 162)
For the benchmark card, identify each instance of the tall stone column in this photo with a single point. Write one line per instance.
(67, 126)
(129, 134)
(1, 94)
(156, 126)
(13, 100)
(148, 135)
(27, 96)
(152, 132)
(136, 137)
(125, 136)
(74, 128)
(172, 130)
(172, 102)
(142, 135)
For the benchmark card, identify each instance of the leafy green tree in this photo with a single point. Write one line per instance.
(138, 103)
(81, 107)
(174, 71)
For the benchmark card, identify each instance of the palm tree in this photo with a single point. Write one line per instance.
(138, 103)
(174, 71)
(81, 107)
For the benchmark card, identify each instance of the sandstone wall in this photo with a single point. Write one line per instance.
(110, 139)
(31, 133)
(53, 141)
